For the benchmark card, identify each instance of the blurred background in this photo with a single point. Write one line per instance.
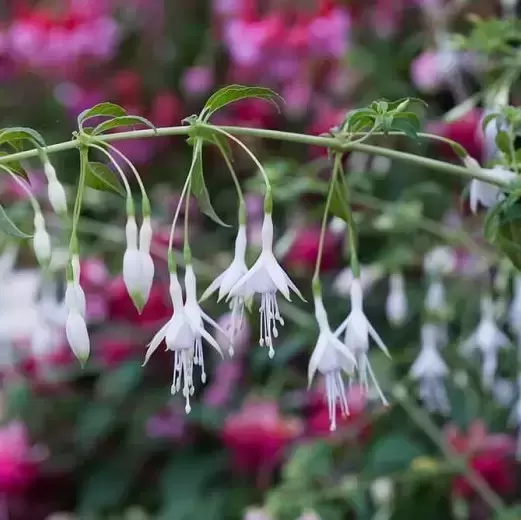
(109, 441)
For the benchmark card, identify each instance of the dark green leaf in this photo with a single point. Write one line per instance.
(9, 227)
(13, 135)
(199, 188)
(487, 119)
(122, 121)
(107, 484)
(392, 453)
(404, 126)
(94, 422)
(234, 93)
(100, 177)
(15, 167)
(503, 142)
(101, 110)
(118, 383)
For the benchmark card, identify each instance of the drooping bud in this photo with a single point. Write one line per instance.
(55, 190)
(132, 265)
(78, 336)
(396, 304)
(147, 264)
(41, 240)
(75, 298)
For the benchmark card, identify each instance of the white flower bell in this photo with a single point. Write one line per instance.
(266, 277)
(488, 339)
(331, 358)
(358, 330)
(396, 305)
(429, 370)
(226, 281)
(55, 190)
(41, 240)
(482, 192)
(138, 267)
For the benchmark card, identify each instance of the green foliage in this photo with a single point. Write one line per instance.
(100, 177)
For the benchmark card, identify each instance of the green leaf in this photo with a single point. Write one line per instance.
(403, 125)
(199, 188)
(118, 383)
(487, 119)
(122, 121)
(100, 177)
(503, 142)
(234, 93)
(9, 227)
(94, 422)
(101, 110)
(308, 462)
(15, 167)
(392, 453)
(13, 135)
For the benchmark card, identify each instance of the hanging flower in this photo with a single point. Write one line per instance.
(396, 304)
(429, 370)
(266, 277)
(225, 282)
(488, 339)
(331, 358)
(358, 329)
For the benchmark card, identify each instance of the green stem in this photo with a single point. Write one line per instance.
(230, 167)
(353, 248)
(84, 159)
(322, 141)
(32, 199)
(423, 420)
(337, 166)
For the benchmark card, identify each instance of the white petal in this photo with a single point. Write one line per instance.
(378, 339)
(156, 341)
(208, 337)
(277, 274)
(316, 356)
(213, 287)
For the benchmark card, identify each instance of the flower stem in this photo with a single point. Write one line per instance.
(312, 140)
(337, 166)
(229, 164)
(84, 159)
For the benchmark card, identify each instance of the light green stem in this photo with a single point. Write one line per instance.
(322, 141)
(84, 159)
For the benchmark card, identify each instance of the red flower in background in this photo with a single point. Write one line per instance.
(302, 254)
(258, 434)
(19, 460)
(466, 131)
(121, 307)
(356, 424)
(490, 456)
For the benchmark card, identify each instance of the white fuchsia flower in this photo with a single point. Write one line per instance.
(482, 192)
(266, 277)
(331, 358)
(396, 305)
(429, 370)
(183, 335)
(358, 330)
(487, 339)
(138, 267)
(55, 190)
(227, 280)
(41, 240)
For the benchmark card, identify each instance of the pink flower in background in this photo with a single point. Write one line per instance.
(12, 190)
(112, 352)
(94, 274)
(258, 434)
(197, 81)
(19, 460)
(303, 252)
(169, 424)
(224, 381)
(465, 131)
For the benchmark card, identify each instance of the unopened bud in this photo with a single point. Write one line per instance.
(57, 197)
(78, 336)
(396, 304)
(41, 240)
(75, 298)
(145, 235)
(132, 268)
